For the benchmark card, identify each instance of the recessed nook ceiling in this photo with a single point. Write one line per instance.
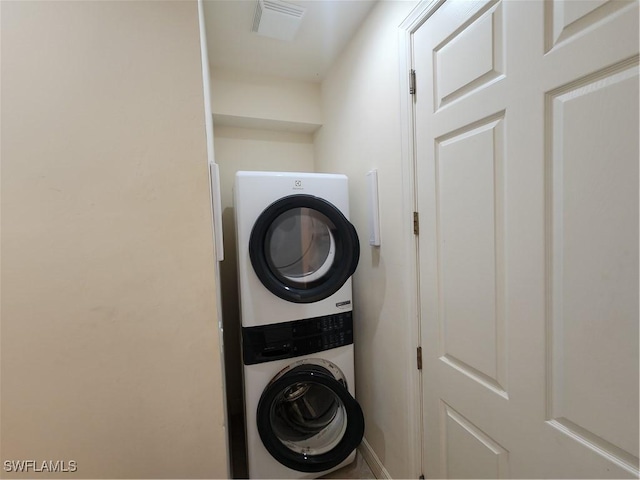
(326, 28)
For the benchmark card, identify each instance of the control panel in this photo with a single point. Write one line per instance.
(299, 337)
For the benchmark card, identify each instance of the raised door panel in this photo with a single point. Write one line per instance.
(566, 20)
(469, 197)
(468, 451)
(470, 57)
(593, 260)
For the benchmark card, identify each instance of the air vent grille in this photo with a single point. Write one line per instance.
(257, 17)
(277, 19)
(284, 8)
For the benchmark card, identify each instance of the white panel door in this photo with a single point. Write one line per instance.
(526, 125)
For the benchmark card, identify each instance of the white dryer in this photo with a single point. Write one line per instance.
(296, 247)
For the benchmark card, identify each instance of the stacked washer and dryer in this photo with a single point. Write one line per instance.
(297, 251)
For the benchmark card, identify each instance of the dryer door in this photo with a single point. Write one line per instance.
(308, 420)
(303, 249)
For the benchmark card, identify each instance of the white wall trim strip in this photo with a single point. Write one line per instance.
(217, 228)
(376, 466)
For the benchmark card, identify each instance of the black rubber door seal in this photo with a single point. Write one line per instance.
(309, 373)
(347, 251)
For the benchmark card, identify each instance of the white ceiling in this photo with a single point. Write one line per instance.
(326, 28)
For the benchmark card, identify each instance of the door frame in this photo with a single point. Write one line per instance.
(414, 20)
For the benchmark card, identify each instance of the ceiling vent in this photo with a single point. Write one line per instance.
(277, 19)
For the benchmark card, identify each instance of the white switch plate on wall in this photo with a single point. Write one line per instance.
(374, 214)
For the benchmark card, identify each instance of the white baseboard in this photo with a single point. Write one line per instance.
(376, 466)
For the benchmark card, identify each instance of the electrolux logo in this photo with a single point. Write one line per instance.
(297, 185)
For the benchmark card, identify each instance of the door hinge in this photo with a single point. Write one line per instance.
(419, 357)
(412, 82)
(416, 223)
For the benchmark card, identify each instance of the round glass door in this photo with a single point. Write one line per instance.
(307, 419)
(300, 246)
(303, 249)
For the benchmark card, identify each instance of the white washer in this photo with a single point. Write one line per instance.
(302, 418)
(296, 247)
(296, 254)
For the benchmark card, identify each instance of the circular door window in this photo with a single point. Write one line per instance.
(300, 246)
(307, 419)
(303, 249)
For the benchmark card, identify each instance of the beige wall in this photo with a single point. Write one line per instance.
(258, 100)
(252, 149)
(110, 353)
(361, 131)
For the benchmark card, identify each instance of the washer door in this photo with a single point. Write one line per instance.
(303, 249)
(308, 420)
